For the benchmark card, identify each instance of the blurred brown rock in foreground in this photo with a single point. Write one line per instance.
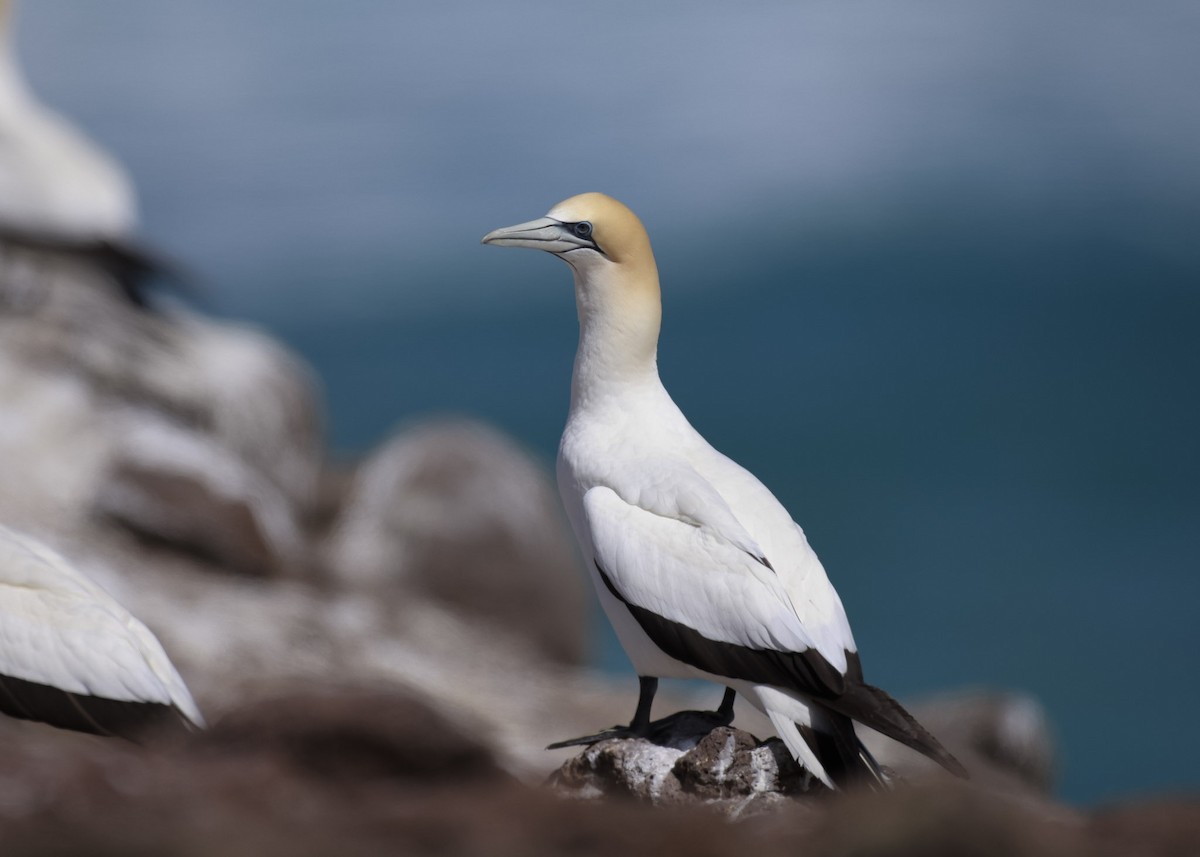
(455, 511)
(354, 772)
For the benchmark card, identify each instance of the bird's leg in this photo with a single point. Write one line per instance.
(639, 727)
(725, 711)
(647, 687)
(682, 730)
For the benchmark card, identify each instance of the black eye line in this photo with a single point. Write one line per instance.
(590, 239)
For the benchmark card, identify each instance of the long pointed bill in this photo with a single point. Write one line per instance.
(545, 233)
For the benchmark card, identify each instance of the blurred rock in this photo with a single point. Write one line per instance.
(1002, 738)
(944, 820)
(1165, 826)
(260, 401)
(1008, 731)
(312, 774)
(175, 485)
(190, 432)
(351, 734)
(457, 512)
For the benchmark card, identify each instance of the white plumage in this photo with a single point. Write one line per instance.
(53, 180)
(71, 655)
(63, 196)
(701, 571)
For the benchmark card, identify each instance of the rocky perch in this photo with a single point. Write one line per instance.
(727, 770)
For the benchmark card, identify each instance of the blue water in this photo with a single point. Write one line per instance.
(931, 271)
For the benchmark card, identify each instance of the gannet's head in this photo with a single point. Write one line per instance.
(590, 232)
(616, 280)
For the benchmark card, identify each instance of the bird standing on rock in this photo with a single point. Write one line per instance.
(700, 570)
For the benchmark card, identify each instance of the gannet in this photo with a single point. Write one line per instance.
(71, 656)
(700, 570)
(61, 193)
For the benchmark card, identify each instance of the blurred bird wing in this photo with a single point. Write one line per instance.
(60, 629)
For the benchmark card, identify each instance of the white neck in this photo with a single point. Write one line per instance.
(619, 318)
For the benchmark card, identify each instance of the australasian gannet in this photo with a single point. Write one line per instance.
(59, 192)
(71, 656)
(701, 571)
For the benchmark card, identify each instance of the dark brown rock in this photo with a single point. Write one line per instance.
(1165, 827)
(1007, 731)
(181, 489)
(339, 772)
(952, 820)
(353, 734)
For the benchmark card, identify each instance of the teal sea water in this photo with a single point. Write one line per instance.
(932, 275)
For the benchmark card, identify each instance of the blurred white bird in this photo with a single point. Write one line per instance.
(71, 656)
(701, 571)
(59, 192)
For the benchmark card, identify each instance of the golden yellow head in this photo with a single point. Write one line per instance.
(584, 231)
(616, 230)
(616, 280)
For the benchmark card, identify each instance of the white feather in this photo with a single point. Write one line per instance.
(60, 629)
(686, 552)
(785, 726)
(53, 179)
(690, 574)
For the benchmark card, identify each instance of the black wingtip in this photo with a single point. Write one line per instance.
(875, 708)
(27, 700)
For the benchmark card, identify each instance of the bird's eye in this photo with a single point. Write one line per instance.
(583, 229)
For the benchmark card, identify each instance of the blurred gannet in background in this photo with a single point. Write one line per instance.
(71, 656)
(61, 193)
(700, 569)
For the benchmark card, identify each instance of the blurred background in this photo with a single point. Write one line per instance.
(931, 271)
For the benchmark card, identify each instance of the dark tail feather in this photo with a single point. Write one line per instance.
(873, 707)
(845, 759)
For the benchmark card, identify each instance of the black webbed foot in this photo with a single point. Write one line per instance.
(589, 740)
(681, 730)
